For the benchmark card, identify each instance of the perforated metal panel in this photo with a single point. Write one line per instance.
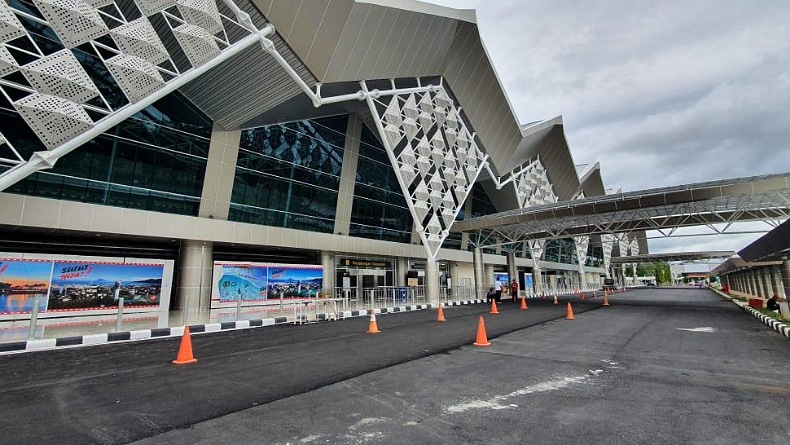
(10, 26)
(75, 21)
(536, 248)
(55, 120)
(607, 240)
(533, 187)
(581, 243)
(434, 156)
(7, 62)
(59, 74)
(138, 38)
(202, 13)
(198, 44)
(151, 7)
(137, 77)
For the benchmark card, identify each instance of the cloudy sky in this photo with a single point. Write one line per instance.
(660, 92)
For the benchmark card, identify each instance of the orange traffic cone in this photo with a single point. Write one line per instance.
(373, 328)
(440, 314)
(555, 300)
(185, 356)
(523, 303)
(606, 299)
(481, 340)
(582, 297)
(569, 315)
(493, 308)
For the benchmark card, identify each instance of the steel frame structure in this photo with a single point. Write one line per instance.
(758, 198)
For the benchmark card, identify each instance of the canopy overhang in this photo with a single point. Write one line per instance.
(727, 201)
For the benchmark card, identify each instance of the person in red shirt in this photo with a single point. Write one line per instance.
(514, 291)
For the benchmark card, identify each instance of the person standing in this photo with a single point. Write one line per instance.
(514, 291)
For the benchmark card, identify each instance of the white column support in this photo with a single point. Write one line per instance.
(431, 280)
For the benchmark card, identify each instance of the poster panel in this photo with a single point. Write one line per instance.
(259, 282)
(95, 285)
(296, 281)
(248, 281)
(21, 282)
(529, 284)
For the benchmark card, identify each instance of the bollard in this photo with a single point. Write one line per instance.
(282, 296)
(119, 321)
(31, 332)
(238, 307)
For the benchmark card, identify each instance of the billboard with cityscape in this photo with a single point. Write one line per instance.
(72, 284)
(258, 282)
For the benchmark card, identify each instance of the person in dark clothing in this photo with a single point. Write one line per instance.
(773, 303)
(491, 295)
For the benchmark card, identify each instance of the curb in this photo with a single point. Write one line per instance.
(48, 344)
(777, 326)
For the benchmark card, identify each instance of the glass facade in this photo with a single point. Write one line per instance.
(288, 175)
(379, 210)
(561, 250)
(153, 161)
(481, 206)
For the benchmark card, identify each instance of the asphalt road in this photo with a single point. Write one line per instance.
(658, 366)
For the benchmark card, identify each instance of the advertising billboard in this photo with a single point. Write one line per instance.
(255, 283)
(69, 283)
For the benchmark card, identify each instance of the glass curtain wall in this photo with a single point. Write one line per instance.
(288, 175)
(481, 206)
(561, 250)
(379, 211)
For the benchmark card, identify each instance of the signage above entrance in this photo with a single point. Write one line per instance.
(366, 264)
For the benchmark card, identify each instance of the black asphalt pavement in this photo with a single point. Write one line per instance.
(658, 366)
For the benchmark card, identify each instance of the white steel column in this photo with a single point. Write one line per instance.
(223, 153)
(786, 275)
(480, 284)
(512, 270)
(431, 280)
(348, 175)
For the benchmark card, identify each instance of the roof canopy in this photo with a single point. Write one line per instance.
(677, 256)
(726, 201)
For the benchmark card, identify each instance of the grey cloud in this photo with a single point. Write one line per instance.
(661, 93)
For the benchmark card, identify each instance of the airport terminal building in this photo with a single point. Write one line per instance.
(230, 149)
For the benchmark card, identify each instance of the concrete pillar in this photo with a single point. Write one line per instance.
(195, 267)
(583, 278)
(775, 274)
(488, 276)
(348, 175)
(223, 151)
(401, 267)
(512, 270)
(537, 277)
(328, 263)
(767, 286)
(432, 281)
(480, 284)
(786, 275)
(753, 283)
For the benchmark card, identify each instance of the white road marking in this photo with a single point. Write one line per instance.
(497, 402)
(705, 329)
